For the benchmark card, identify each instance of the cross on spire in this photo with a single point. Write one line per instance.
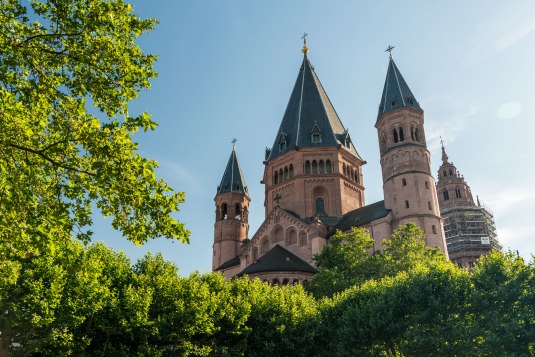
(305, 48)
(234, 142)
(389, 50)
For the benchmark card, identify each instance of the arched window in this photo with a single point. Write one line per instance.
(286, 282)
(291, 236)
(445, 173)
(416, 134)
(406, 204)
(276, 234)
(264, 246)
(224, 211)
(396, 139)
(344, 169)
(357, 176)
(403, 182)
(286, 173)
(446, 195)
(255, 253)
(451, 172)
(276, 178)
(427, 185)
(314, 167)
(302, 238)
(429, 205)
(412, 133)
(457, 193)
(237, 214)
(401, 136)
(276, 282)
(322, 167)
(281, 176)
(434, 228)
(307, 167)
(328, 167)
(320, 205)
(291, 170)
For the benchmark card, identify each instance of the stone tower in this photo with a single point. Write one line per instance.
(232, 207)
(409, 188)
(469, 228)
(313, 168)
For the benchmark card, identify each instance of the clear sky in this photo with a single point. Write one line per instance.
(226, 69)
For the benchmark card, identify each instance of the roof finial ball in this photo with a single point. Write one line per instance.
(389, 50)
(305, 48)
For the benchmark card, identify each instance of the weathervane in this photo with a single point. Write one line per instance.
(389, 50)
(305, 48)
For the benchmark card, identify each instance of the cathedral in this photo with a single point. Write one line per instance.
(314, 184)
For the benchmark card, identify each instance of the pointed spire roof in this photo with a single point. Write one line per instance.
(233, 180)
(396, 92)
(310, 119)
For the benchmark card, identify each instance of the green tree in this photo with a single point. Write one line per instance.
(343, 262)
(63, 65)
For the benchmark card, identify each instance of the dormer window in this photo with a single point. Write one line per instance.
(346, 140)
(410, 100)
(283, 142)
(393, 102)
(315, 134)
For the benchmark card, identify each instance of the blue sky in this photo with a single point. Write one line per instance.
(226, 69)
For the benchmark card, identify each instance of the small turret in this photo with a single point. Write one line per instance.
(232, 207)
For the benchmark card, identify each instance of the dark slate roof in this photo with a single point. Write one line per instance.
(362, 215)
(309, 111)
(229, 263)
(233, 180)
(278, 259)
(396, 90)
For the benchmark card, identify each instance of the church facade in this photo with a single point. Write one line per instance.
(314, 184)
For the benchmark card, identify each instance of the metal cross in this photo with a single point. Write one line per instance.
(277, 198)
(234, 142)
(304, 37)
(389, 50)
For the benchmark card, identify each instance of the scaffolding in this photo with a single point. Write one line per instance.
(470, 232)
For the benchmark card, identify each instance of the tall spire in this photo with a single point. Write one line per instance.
(396, 92)
(232, 180)
(444, 155)
(310, 119)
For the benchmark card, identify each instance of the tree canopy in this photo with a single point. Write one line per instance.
(68, 71)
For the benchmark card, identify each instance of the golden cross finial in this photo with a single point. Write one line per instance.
(305, 48)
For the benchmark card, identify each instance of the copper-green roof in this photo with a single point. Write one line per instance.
(309, 112)
(396, 92)
(278, 259)
(232, 180)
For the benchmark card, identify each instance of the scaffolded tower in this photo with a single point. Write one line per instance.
(469, 227)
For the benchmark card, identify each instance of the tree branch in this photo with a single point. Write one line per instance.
(52, 161)
(30, 38)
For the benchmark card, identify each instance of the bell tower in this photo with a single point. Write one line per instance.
(313, 168)
(409, 188)
(232, 207)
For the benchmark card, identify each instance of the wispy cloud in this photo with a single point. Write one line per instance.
(519, 30)
(183, 177)
(451, 126)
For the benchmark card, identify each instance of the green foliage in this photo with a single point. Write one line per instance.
(58, 61)
(347, 260)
